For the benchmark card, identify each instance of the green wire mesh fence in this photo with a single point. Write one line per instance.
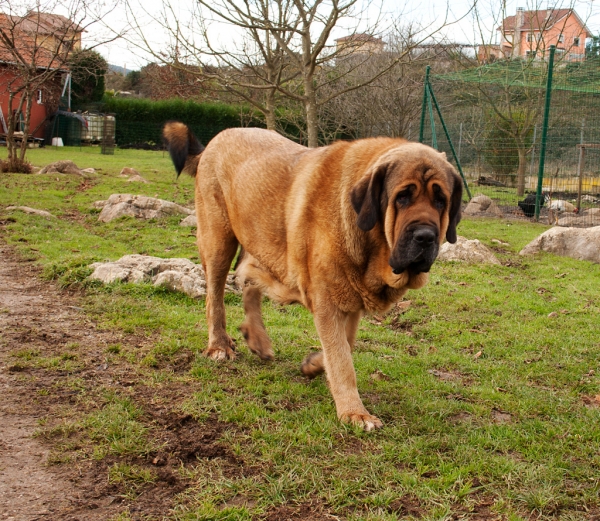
(494, 116)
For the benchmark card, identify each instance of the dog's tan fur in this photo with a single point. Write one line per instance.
(320, 227)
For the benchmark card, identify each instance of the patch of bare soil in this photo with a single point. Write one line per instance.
(34, 315)
(40, 321)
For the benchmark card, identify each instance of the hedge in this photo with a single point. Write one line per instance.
(141, 120)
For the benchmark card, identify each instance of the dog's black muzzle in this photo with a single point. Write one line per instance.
(416, 250)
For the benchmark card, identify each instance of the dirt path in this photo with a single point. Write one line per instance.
(35, 315)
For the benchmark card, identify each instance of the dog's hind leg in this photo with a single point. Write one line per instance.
(253, 327)
(313, 365)
(217, 245)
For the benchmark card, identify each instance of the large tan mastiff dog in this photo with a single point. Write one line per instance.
(343, 229)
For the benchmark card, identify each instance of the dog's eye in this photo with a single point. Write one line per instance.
(439, 200)
(403, 198)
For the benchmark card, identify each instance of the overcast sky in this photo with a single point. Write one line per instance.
(425, 13)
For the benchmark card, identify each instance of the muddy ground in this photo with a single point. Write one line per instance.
(35, 316)
(38, 480)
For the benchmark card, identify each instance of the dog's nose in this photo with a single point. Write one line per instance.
(424, 236)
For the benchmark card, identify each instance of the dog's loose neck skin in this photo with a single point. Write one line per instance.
(378, 293)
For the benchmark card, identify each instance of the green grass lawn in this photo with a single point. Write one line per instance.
(491, 406)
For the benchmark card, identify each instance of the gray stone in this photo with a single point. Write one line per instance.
(482, 205)
(61, 167)
(139, 206)
(175, 273)
(190, 220)
(471, 251)
(585, 219)
(128, 172)
(577, 243)
(193, 286)
(137, 179)
(33, 211)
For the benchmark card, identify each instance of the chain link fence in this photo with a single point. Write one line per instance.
(499, 117)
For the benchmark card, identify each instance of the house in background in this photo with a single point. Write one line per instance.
(358, 44)
(43, 41)
(528, 34)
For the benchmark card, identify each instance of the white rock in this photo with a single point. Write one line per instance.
(577, 243)
(139, 206)
(109, 272)
(33, 211)
(465, 250)
(190, 220)
(64, 166)
(482, 204)
(137, 179)
(175, 273)
(127, 172)
(585, 219)
(194, 286)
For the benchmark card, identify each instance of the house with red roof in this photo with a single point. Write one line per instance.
(34, 48)
(528, 34)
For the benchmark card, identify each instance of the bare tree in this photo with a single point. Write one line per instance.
(389, 105)
(285, 52)
(35, 46)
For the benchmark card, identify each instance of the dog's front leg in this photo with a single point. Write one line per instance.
(332, 326)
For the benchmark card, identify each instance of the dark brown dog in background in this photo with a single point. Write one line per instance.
(343, 229)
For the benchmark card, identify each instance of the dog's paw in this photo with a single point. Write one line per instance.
(366, 421)
(258, 341)
(219, 354)
(312, 365)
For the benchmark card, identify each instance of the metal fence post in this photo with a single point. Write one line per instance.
(424, 108)
(538, 197)
(456, 160)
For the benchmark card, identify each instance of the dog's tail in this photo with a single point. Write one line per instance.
(183, 146)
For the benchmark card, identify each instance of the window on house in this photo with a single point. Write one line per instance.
(576, 42)
(40, 97)
(561, 38)
(530, 37)
(530, 54)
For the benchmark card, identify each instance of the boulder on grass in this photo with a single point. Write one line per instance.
(33, 211)
(577, 243)
(137, 179)
(190, 220)
(139, 206)
(61, 167)
(176, 274)
(128, 172)
(471, 251)
(482, 205)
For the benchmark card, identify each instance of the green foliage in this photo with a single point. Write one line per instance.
(132, 80)
(501, 149)
(88, 68)
(141, 120)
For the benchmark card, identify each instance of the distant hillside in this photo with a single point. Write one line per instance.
(118, 69)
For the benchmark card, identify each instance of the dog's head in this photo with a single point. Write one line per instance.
(414, 194)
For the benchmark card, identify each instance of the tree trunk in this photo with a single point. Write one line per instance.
(521, 171)
(26, 118)
(13, 115)
(270, 110)
(310, 109)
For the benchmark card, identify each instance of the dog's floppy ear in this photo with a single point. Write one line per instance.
(455, 208)
(366, 198)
